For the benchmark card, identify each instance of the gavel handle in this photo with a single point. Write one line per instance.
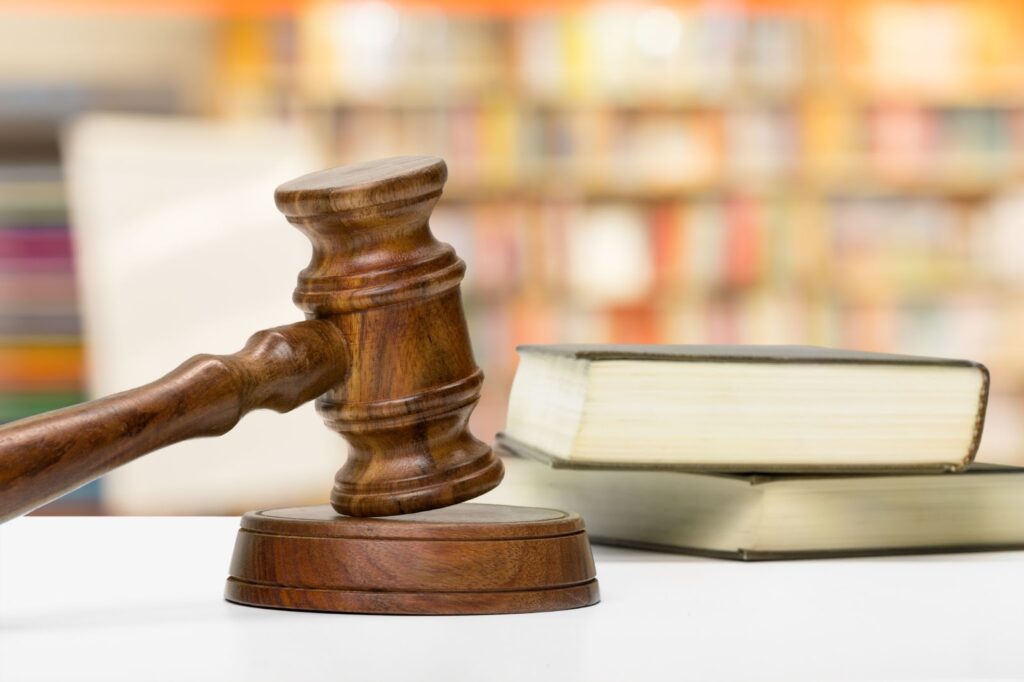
(45, 456)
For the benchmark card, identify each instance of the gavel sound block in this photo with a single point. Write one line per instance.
(386, 353)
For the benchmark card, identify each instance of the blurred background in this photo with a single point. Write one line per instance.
(846, 174)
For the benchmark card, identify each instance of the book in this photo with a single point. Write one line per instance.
(746, 408)
(789, 516)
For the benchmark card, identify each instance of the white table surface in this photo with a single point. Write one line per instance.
(140, 599)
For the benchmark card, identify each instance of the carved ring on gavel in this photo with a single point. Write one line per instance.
(385, 351)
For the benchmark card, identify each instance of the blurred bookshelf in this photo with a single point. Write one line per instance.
(40, 341)
(843, 174)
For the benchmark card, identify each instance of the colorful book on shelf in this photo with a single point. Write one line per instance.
(14, 406)
(754, 517)
(745, 408)
(41, 359)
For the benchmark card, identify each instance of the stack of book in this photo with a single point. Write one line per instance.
(760, 452)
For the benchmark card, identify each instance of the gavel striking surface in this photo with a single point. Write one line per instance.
(464, 559)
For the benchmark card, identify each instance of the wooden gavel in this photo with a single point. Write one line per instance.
(385, 349)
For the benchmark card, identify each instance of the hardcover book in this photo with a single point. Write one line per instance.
(754, 517)
(746, 408)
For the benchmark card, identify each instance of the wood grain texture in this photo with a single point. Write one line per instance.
(393, 291)
(45, 456)
(465, 559)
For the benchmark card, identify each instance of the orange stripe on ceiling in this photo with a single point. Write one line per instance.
(231, 8)
(211, 8)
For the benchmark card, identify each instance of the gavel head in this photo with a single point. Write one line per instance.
(392, 289)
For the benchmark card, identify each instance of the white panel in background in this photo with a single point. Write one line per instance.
(180, 250)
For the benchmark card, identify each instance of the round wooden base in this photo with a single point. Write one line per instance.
(463, 559)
